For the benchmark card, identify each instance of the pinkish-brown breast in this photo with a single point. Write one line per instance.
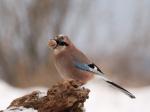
(64, 62)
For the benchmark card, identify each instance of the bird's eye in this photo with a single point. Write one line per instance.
(62, 43)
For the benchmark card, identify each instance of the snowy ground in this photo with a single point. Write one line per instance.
(102, 98)
(107, 99)
(8, 93)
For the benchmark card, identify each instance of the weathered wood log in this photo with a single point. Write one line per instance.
(67, 96)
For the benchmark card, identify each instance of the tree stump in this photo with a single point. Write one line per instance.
(67, 96)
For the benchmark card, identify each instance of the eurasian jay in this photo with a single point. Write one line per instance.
(71, 63)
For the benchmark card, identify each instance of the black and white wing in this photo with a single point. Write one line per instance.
(94, 69)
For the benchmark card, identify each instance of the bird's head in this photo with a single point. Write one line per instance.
(59, 43)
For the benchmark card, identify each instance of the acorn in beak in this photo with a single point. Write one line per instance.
(52, 43)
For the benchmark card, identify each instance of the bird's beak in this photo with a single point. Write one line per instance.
(52, 43)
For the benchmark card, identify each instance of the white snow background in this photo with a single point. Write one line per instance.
(8, 93)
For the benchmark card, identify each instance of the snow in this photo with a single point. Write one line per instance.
(41, 94)
(102, 98)
(106, 99)
(20, 109)
(8, 93)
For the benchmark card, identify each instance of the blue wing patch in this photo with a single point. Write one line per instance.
(88, 67)
(82, 66)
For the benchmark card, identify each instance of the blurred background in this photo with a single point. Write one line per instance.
(113, 33)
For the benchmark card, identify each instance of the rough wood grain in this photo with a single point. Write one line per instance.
(67, 96)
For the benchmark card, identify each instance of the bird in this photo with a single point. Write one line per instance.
(71, 63)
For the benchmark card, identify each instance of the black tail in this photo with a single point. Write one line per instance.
(122, 89)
